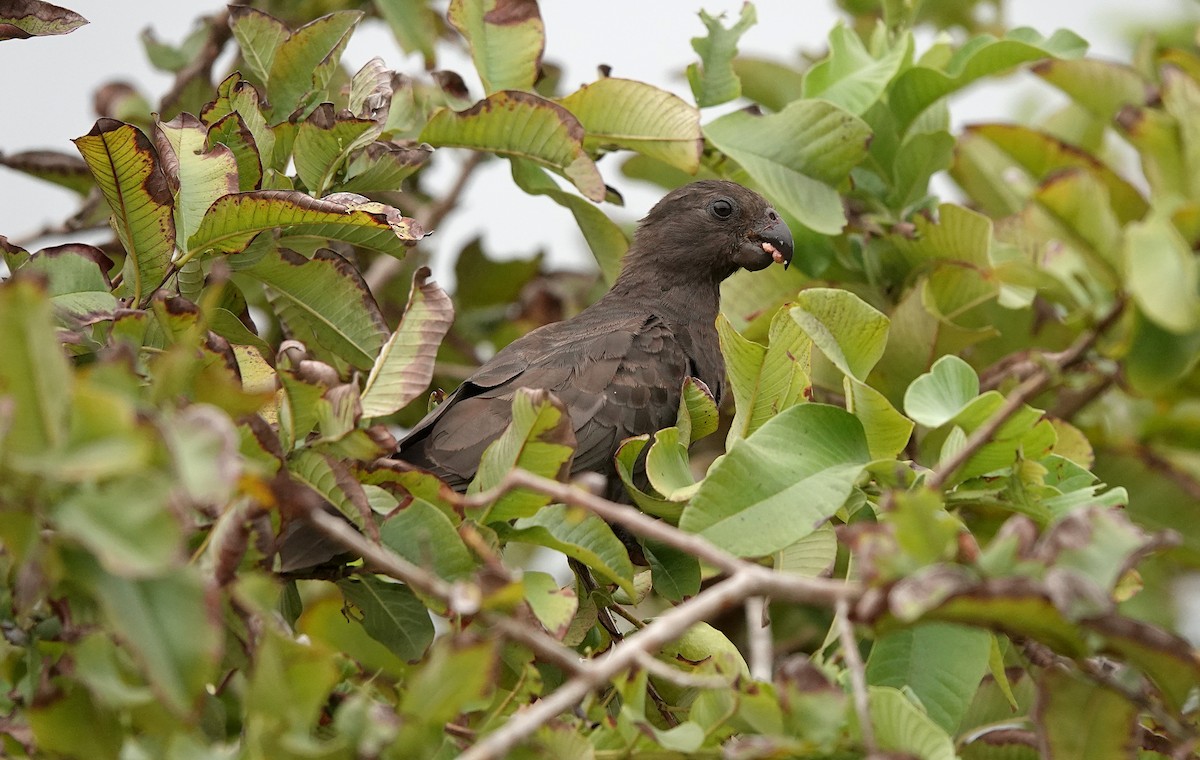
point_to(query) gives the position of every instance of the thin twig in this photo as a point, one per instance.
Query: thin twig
(385, 268)
(1034, 384)
(858, 674)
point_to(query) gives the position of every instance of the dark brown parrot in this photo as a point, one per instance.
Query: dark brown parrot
(618, 366)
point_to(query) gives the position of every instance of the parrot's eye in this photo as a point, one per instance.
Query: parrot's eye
(722, 208)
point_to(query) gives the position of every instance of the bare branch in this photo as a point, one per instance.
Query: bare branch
(758, 630)
(858, 675)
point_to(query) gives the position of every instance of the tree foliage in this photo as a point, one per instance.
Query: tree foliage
(955, 494)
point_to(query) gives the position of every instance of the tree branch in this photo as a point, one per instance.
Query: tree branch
(858, 675)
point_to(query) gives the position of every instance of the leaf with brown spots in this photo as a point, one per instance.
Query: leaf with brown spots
(128, 172)
(506, 38)
(22, 19)
(196, 175)
(60, 168)
(404, 367)
(233, 221)
(521, 125)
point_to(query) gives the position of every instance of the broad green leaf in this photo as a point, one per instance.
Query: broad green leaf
(676, 574)
(937, 396)
(668, 466)
(1161, 272)
(196, 174)
(941, 664)
(506, 39)
(987, 153)
(391, 614)
(521, 125)
(63, 169)
(768, 82)
(901, 727)
(324, 300)
(811, 556)
(850, 333)
(1025, 434)
(76, 280)
(850, 76)
(73, 723)
(458, 672)
(34, 374)
(1079, 718)
(234, 220)
(422, 534)
(304, 63)
(231, 131)
(606, 239)
(554, 607)
(236, 95)
(698, 415)
(1102, 87)
(653, 504)
(923, 85)
(1156, 137)
(713, 80)
(258, 36)
(704, 649)
(578, 535)
(332, 480)
(631, 115)
(765, 381)
(539, 439)
(887, 430)
(404, 367)
(959, 234)
(797, 156)
(124, 525)
(415, 25)
(1158, 358)
(128, 172)
(170, 623)
(34, 18)
(323, 144)
(383, 166)
(289, 683)
(776, 486)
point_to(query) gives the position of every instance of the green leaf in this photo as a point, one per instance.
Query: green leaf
(554, 607)
(422, 534)
(887, 430)
(383, 166)
(1078, 718)
(62, 169)
(231, 131)
(850, 76)
(776, 486)
(259, 36)
(170, 623)
(34, 375)
(324, 300)
(391, 614)
(1161, 272)
(323, 144)
(196, 175)
(850, 333)
(606, 239)
(768, 82)
(941, 664)
(578, 535)
(901, 727)
(234, 220)
(236, 95)
(698, 415)
(653, 504)
(521, 125)
(811, 556)
(797, 156)
(539, 439)
(713, 80)
(415, 25)
(1158, 358)
(76, 280)
(506, 39)
(404, 367)
(937, 396)
(332, 480)
(676, 574)
(128, 172)
(289, 683)
(1102, 87)
(459, 671)
(668, 467)
(921, 86)
(631, 115)
(765, 381)
(34, 18)
(304, 63)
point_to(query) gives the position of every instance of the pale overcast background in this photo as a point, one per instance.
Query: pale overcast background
(46, 86)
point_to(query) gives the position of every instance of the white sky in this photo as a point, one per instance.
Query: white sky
(46, 86)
